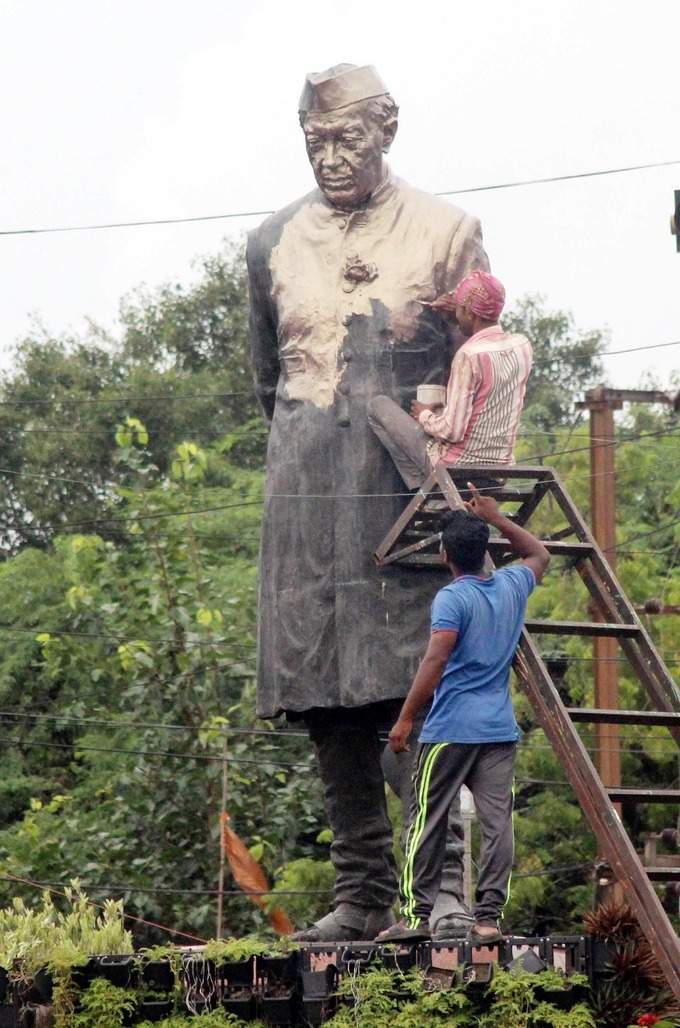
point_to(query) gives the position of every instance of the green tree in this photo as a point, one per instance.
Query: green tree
(566, 361)
(180, 366)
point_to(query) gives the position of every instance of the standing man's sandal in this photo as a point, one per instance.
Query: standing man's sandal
(490, 938)
(401, 932)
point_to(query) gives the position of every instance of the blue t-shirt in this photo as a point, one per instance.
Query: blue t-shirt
(472, 702)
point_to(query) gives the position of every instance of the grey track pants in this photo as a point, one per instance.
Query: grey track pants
(440, 770)
(349, 751)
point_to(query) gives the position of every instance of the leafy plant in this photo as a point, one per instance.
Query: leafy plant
(210, 1019)
(103, 1005)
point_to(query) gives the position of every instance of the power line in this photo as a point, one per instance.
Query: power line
(159, 890)
(128, 917)
(258, 214)
(176, 397)
(206, 757)
(126, 398)
(305, 496)
(215, 758)
(159, 725)
(13, 629)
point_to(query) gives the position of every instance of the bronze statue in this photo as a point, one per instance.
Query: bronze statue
(336, 279)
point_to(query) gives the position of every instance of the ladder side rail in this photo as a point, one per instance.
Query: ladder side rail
(623, 605)
(641, 653)
(612, 837)
(571, 512)
(606, 590)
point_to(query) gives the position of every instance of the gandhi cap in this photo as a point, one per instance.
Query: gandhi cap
(339, 86)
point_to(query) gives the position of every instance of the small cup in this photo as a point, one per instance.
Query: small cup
(432, 395)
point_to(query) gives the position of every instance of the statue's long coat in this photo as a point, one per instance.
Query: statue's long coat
(333, 323)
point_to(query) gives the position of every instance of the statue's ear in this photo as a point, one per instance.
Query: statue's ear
(389, 131)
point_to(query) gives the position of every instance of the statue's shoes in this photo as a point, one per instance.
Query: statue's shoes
(331, 928)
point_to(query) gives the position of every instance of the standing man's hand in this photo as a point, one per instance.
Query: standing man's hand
(399, 736)
(485, 507)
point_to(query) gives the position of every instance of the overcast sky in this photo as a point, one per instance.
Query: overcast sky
(133, 109)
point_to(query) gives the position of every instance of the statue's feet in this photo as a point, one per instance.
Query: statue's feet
(333, 927)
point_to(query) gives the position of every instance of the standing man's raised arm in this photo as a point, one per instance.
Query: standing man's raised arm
(263, 335)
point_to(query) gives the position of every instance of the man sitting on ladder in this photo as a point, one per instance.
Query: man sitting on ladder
(478, 422)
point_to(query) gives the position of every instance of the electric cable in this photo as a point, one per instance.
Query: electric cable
(259, 214)
(161, 515)
(171, 397)
(128, 917)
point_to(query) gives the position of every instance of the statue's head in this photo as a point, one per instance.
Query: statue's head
(349, 121)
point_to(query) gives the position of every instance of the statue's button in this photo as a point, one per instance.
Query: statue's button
(342, 222)
(347, 320)
(346, 356)
(343, 389)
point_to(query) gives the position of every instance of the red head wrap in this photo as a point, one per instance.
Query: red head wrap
(482, 293)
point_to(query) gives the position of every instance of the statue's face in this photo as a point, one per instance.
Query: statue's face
(345, 149)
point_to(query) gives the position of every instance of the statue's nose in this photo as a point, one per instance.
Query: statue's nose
(330, 153)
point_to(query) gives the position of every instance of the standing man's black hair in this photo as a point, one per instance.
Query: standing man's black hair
(464, 538)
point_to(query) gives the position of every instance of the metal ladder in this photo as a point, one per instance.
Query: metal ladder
(413, 540)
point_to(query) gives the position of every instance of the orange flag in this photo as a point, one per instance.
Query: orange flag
(249, 875)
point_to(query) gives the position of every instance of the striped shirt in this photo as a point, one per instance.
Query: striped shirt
(484, 399)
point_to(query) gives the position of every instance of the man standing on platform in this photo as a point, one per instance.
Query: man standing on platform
(340, 285)
(470, 734)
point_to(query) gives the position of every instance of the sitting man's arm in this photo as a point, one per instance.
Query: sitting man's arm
(428, 677)
(531, 550)
(451, 424)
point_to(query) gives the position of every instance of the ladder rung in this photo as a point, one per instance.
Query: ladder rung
(556, 548)
(501, 545)
(663, 874)
(624, 717)
(581, 628)
(644, 795)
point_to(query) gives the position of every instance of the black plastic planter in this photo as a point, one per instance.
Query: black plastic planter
(120, 970)
(527, 961)
(319, 1001)
(155, 1009)
(275, 971)
(42, 986)
(240, 1002)
(158, 975)
(602, 956)
(400, 958)
(279, 1007)
(236, 974)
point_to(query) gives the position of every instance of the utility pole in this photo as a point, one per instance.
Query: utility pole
(601, 402)
(675, 221)
(603, 522)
